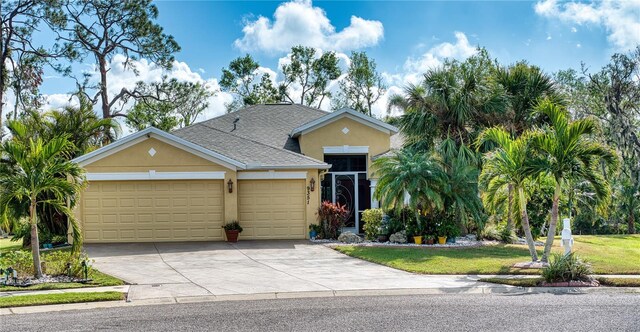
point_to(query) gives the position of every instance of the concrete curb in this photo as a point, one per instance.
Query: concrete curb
(506, 290)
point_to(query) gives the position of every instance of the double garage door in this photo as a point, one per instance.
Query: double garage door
(191, 210)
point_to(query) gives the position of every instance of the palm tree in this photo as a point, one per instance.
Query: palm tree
(460, 187)
(452, 101)
(524, 85)
(85, 129)
(40, 174)
(507, 166)
(408, 172)
(568, 151)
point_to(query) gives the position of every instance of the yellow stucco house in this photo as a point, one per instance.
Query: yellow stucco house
(267, 166)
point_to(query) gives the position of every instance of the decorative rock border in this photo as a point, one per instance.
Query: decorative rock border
(458, 244)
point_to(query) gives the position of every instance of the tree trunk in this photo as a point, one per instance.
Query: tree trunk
(510, 226)
(1, 105)
(632, 220)
(525, 225)
(35, 243)
(552, 223)
(104, 95)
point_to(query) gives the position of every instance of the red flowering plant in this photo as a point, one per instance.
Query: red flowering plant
(331, 218)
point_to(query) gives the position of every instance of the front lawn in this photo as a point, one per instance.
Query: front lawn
(42, 299)
(7, 245)
(608, 254)
(98, 278)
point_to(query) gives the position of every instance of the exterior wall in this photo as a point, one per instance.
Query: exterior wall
(167, 158)
(312, 143)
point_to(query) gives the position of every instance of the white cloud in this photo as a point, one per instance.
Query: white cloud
(300, 23)
(434, 57)
(621, 19)
(549, 37)
(574, 30)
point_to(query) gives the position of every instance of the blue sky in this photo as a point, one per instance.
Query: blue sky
(404, 37)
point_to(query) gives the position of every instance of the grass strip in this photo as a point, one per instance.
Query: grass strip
(45, 299)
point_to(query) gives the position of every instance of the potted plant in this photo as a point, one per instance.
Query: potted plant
(232, 230)
(417, 239)
(314, 230)
(429, 239)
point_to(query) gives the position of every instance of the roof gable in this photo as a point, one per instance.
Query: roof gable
(345, 112)
(164, 137)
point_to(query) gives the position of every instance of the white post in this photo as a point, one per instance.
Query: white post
(567, 239)
(374, 202)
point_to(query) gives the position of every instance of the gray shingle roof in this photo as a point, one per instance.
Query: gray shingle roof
(254, 154)
(270, 124)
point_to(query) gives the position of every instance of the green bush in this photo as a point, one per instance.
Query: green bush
(19, 260)
(491, 233)
(372, 223)
(55, 262)
(567, 268)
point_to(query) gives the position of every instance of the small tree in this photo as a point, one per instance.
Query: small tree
(41, 175)
(568, 151)
(168, 104)
(241, 79)
(362, 87)
(311, 73)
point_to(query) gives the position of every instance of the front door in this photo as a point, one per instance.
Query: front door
(346, 193)
(351, 189)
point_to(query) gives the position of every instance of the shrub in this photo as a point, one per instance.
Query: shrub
(567, 268)
(55, 262)
(506, 235)
(331, 219)
(19, 260)
(491, 232)
(372, 223)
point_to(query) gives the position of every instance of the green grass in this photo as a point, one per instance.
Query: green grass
(7, 245)
(42, 299)
(608, 254)
(520, 282)
(619, 282)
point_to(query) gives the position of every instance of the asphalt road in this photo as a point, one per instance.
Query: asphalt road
(536, 312)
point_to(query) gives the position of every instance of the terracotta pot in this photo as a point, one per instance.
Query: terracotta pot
(383, 238)
(417, 239)
(430, 240)
(442, 239)
(232, 236)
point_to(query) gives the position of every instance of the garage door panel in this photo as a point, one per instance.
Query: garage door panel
(266, 206)
(142, 211)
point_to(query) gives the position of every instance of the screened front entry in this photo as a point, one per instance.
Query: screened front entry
(346, 183)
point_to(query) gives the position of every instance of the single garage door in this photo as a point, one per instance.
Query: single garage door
(272, 209)
(153, 211)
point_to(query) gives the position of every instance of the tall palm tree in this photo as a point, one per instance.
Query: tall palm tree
(40, 174)
(410, 172)
(507, 166)
(568, 151)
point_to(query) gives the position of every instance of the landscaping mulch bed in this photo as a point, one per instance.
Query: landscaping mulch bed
(26, 282)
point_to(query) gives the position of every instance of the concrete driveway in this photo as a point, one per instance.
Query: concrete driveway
(159, 270)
